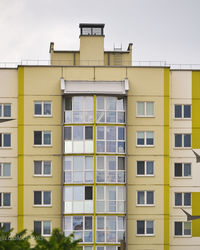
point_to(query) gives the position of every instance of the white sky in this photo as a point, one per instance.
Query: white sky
(164, 30)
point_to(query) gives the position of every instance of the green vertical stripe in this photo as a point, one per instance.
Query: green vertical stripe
(20, 148)
(166, 158)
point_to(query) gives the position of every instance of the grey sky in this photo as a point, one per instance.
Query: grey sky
(159, 29)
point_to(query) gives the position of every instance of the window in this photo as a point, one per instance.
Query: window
(5, 140)
(92, 31)
(145, 138)
(182, 169)
(5, 169)
(182, 199)
(110, 229)
(5, 110)
(145, 198)
(82, 226)
(111, 139)
(110, 199)
(145, 227)
(42, 138)
(78, 199)
(145, 109)
(78, 169)
(110, 109)
(79, 109)
(145, 168)
(182, 111)
(110, 169)
(42, 198)
(182, 228)
(42, 227)
(5, 200)
(42, 168)
(5, 225)
(78, 139)
(182, 140)
(42, 108)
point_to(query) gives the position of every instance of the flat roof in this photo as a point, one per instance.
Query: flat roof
(89, 25)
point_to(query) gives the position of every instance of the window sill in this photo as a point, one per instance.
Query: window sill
(145, 235)
(145, 146)
(182, 236)
(45, 206)
(188, 207)
(182, 119)
(182, 177)
(6, 207)
(5, 177)
(181, 148)
(42, 146)
(46, 176)
(42, 116)
(144, 175)
(145, 116)
(145, 205)
(6, 148)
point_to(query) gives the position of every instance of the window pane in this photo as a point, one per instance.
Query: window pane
(178, 199)
(47, 138)
(6, 226)
(121, 163)
(6, 199)
(100, 146)
(140, 108)
(78, 103)
(100, 176)
(37, 167)
(78, 177)
(78, 163)
(187, 228)
(100, 132)
(0, 110)
(111, 116)
(78, 193)
(178, 140)
(46, 227)
(88, 223)
(150, 138)
(87, 237)
(187, 111)
(78, 133)
(78, 223)
(100, 102)
(140, 138)
(89, 163)
(187, 140)
(37, 197)
(121, 117)
(187, 169)
(100, 162)
(111, 163)
(178, 111)
(149, 225)
(120, 104)
(111, 223)
(149, 108)
(140, 168)
(37, 137)
(110, 146)
(68, 103)
(178, 169)
(110, 133)
(67, 193)
(88, 193)
(67, 133)
(121, 147)
(89, 103)
(111, 103)
(37, 227)
(121, 133)
(100, 222)
(6, 169)
(187, 199)
(140, 227)
(140, 197)
(100, 236)
(150, 167)
(7, 140)
(150, 197)
(47, 197)
(100, 193)
(97, 32)
(178, 228)
(78, 116)
(86, 31)
(100, 116)
(47, 108)
(38, 108)
(88, 133)
(7, 110)
(47, 167)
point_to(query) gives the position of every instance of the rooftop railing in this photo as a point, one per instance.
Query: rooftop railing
(172, 66)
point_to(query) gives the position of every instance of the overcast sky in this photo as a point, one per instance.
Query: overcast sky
(164, 30)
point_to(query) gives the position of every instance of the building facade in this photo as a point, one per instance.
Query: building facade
(96, 146)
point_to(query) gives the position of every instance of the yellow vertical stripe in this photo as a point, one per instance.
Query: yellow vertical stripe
(20, 148)
(195, 109)
(166, 158)
(196, 211)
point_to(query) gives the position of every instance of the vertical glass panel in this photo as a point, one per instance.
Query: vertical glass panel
(68, 163)
(37, 227)
(149, 108)
(120, 103)
(89, 103)
(67, 133)
(149, 225)
(37, 197)
(78, 163)
(121, 133)
(110, 133)
(110, 146)
(121, 223)
(121, 147)
(47, 167)
(100, 133)
(187, 199)
(140, 138)
(100, 146)
(89, 163)
(97, 31)
(100, 116)
(68, 103)
(7, 140)
(100, 176)
(67, 223)
(187, 228)
(7, 110)
(67, 193)
(6, 169)
(150, 167)
(78, 103)
(121, 193)
(68, 116)
(100, 162)
(100, 236)
(100, 193)
(111, 116)
(140, 227)
(78, 193)
(47, 138)
(121, 163)
(149, 138)
(1, 110)
(78, 177)
(100, 222)
(38, 108)
(47, 197)
(78, 116)
(100, 103)
(111, 103)
(87, 237)
(178, 228)
(140, 108)
(38, 167)
(111, 193)
(111, 163)
(111, 223)
(187, 140)
(88, 133)
(140, 197)
(47, 108)
(150, 197)
(178, 199)
(88, 223)
(187, 111)
(89, 176)
(78, 133)
(77, 222)
(88, 193)
(178, 111)
(121, 117)
(187, 169)
(178, 169)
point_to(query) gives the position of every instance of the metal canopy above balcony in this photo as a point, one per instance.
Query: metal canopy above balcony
(95, 87)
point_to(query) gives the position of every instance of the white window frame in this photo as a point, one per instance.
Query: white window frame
(183, 228)
(42, 108)
(104, 170)
(145, 109)
(42, 227)
(182, 146)
(2, 200)
(145, 228)
(2, 140)
(42, 168)
(145, 139)
(82, 230)
(2, 110)
(183, 165)
(145, 169)
(182, 199)
(2, 224)
(145, 198)
(42, 198)
(42, 143)
(2, 166)
(182, 112)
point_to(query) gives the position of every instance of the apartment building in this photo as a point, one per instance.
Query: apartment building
(101, 148)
